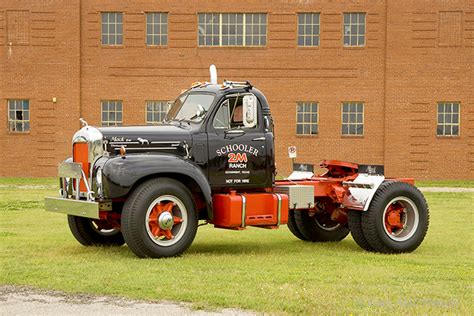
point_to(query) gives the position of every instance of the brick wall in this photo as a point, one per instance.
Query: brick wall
(43, 64)
(408, 64)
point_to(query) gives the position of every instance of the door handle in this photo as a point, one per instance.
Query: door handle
(234, 133)
(259, 138)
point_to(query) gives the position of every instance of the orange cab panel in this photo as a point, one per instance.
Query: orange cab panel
(260, 209)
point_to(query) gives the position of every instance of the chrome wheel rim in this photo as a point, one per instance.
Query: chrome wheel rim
(102, 231)
(403, 225)
(177, 230)
(327, 227)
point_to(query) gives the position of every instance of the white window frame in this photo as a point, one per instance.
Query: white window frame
(108, 122)
(349, 123)
(153, 26)
(13, 120)
(357, 35)
(162, 113)
(311, 113)
(312, 35)
(115, 35)
(444, 124)
(244, 30)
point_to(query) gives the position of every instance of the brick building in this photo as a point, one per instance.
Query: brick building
(385, 82)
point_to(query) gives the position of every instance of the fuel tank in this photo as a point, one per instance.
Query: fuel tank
(238, 210)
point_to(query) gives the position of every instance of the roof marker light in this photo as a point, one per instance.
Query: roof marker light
(213, 71)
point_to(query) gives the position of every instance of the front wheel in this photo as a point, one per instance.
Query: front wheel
(397, 219)
(91, 232)
(159, 219)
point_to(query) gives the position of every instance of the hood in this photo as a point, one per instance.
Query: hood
(165, 138)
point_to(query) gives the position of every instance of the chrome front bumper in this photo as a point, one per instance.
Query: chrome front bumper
(72, 207)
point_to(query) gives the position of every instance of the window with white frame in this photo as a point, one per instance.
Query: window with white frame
(156, 28)
(19, 116)
(308, 29)
(156, 111)
(232, 29)
(307, 118)
(353, 118)
(112, 28)
(448, 119)
(111, 113)
(354, 29)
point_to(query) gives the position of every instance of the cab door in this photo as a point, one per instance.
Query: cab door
(237, 148)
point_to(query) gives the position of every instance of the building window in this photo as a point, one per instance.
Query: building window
(112, 113)
(156, 29)
(232, 29)
(308, 29)
(19, 116)
(353, 118)
(112, 25)
(307, 118)
(156, 111)
(18, 27)
(448, 119)
(450, 28)
(354, 29)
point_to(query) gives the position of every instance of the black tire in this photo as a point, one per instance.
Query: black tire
(136, 229)
(414, 214)
(355, 227)
(88, 234)
(292, 226)
(312, 230)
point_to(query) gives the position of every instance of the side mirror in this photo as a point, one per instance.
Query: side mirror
(250, 110)
(200, 111)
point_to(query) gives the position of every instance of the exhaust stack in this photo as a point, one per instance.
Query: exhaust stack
(213, 71)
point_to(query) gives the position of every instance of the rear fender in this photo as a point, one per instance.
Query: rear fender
(121, 175)
(361, 191)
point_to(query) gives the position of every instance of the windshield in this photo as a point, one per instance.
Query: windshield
(189, 107)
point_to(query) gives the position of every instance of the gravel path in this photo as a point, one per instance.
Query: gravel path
(27, 301)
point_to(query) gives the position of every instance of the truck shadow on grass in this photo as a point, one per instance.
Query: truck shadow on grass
(271, 248)
(228, 248)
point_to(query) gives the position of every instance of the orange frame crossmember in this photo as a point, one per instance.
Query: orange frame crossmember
(236, 210)
(330, 184)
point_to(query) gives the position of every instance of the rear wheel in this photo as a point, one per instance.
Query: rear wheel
(397, 219)
(292, 226)
(319, 227)
(91, 232)
(159, 219)
(355, 226)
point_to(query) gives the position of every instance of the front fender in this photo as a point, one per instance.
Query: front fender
(122, 174)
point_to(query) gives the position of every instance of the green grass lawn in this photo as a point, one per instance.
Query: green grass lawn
(260, 270)
(446, 183)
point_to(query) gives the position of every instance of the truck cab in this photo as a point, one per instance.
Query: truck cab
(213, 159)
(233, 140)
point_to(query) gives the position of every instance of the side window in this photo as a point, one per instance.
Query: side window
(236, 112)
(230, 114)
(221, 120)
